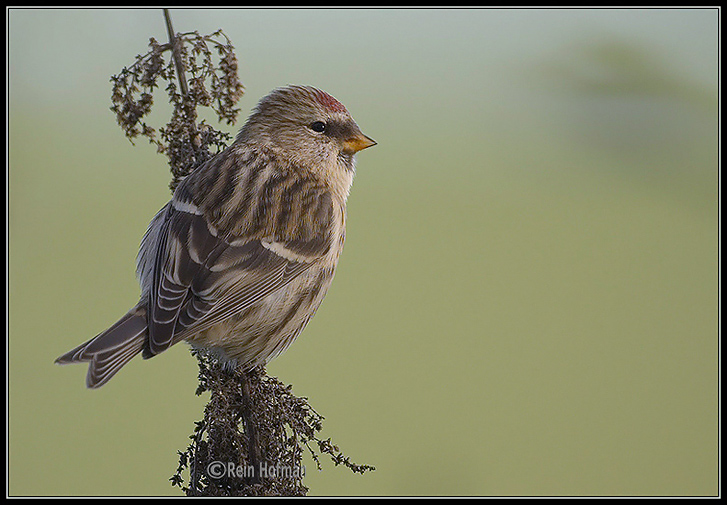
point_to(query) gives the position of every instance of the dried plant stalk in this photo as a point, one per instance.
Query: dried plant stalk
(253, 437)
(211, 66)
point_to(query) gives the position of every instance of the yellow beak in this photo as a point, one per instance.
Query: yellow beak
(358, 142)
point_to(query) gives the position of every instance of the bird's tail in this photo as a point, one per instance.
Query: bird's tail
(107, 352)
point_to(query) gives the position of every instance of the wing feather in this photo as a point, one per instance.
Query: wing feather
(200, 277)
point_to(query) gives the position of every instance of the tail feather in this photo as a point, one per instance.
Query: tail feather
(109, 351)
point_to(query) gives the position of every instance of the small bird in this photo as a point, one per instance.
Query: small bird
(241, 257)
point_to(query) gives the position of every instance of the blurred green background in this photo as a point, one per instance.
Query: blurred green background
(527, 302)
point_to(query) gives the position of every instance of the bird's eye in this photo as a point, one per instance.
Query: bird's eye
(318, 126)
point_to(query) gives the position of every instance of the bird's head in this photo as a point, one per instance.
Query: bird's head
(308, 126)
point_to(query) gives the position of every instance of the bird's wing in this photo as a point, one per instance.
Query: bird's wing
(201, 276)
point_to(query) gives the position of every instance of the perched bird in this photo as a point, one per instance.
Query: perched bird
(241, 257)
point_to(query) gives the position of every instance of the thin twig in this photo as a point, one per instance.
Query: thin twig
(253, 450)
(174, 42)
